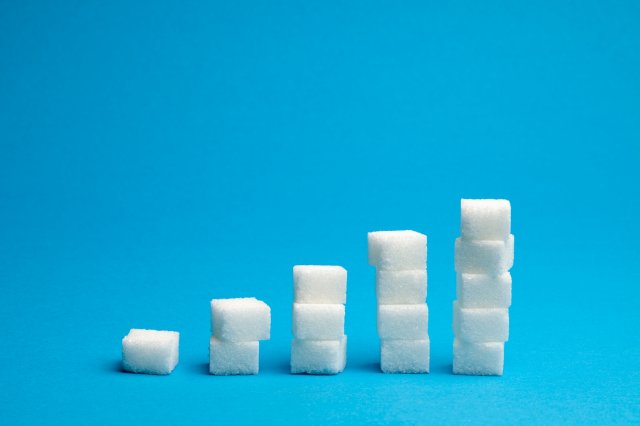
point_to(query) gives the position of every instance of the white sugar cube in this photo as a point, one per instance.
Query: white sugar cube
(240, 320)
(485, 219)
(480, 325)
(491, 257)
(150, 351)
(318, 356)
(480, 359)
(319, 284)
(401, 287)
(483, 291)
(318, 321)
(403, 321)
(404, 356)
(397, 250)
(232, 358)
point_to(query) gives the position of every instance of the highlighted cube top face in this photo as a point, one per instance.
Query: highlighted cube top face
(397, 250)
(240, 320)
(485, 219)
(319, 284)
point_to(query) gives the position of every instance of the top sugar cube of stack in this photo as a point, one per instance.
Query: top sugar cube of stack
(397, 250)
(320, 284)
(240, 320)
(485, 219)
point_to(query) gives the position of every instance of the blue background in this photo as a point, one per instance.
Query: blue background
(157, 155)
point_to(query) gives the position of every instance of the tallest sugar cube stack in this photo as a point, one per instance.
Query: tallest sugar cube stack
(400, 258)
(483, 257)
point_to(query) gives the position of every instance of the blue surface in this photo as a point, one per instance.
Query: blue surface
(155, 156)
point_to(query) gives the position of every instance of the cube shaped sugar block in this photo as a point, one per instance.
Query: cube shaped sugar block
(398, 250)
(233, 358)
(491, 257)
(480, 325)
(318, 356)
(483, 291)
(150, 351)
(319, 284)
(401, 287)
(318, 321)
(403, 321)
(478, 359)
(404, 356)
(485, 219)
(240, 320)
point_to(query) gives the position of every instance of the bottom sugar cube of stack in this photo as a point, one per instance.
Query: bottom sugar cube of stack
(230, 358)
(404, 356)
(150, 351)
(486, 358)
(318, 356)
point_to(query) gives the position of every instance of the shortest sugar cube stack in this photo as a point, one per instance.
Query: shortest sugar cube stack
(150, 351)
(237, 326)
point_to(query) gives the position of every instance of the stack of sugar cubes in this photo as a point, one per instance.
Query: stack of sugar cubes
(400, 258)
(237, 326)
(319, 345)
(483, 257)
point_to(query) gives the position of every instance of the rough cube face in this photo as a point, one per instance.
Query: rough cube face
(478, 359)
(397, 250)
(240, 320)
(404, 356)
(319, 284)
(409, 322)
(480, 325)
(401, 287)
(150, 351)
(492, 257)
(232, 358)
(318, 356)
(318, 321)
(484, 291)
(485, 219)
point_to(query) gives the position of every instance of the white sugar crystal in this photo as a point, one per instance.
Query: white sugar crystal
(401, 287)
(491, 257)
(231, 358)
(482, 359)
(318, 321)
(150, 351)
(404, 356)
(484, 291)
(485, 219)
(397, 250)
(480, 325)
(319, 284)
(240, 320)
(403, 321)
(318, 356)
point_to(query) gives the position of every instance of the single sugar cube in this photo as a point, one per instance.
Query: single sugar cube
(319, 284)
(483, 291)
(240, 320)
(403, 321)
(480, 325)
(492, 257)
(401, 287)
(150, 351)
(318, 356)
(233, 358)
(478, 359)
(318, 321)
(404, 356)
(485, 219)
(397, 250)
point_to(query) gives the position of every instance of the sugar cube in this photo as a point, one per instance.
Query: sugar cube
(150, 351)
(404, 356)
(484, 291)
(403, 321)
(318, 356)
(242, 319)
(485, 219)
(319, 284)
(482, 359)
(491, 257)
(397, 250)
(480, 325)
(318, 321)
(401, 287)
(232, 358)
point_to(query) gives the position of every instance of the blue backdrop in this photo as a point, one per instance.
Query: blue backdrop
(157, 155)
